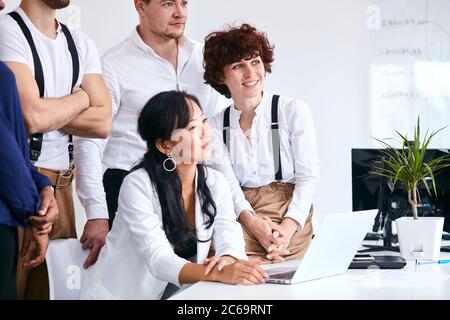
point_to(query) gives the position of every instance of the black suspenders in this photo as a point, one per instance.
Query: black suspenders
(75, 74)
(276, 139)
(36, 139)
(226, 127)
(275, 136)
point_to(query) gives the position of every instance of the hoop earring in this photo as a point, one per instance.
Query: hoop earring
(174, 163)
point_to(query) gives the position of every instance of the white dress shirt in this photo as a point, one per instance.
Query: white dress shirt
(138, 261)
(252, 163)
(57, 66)
(134, 73)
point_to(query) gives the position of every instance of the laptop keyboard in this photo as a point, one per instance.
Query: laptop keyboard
(283, 276)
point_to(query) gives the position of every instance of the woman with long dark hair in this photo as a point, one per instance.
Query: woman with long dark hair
(170, 209)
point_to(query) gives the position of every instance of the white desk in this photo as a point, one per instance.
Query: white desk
(425, 282)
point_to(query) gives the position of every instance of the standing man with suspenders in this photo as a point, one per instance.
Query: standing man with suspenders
(156, 57)
(62, 94)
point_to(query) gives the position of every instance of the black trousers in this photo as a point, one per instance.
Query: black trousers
(112, 181)
(9, 250)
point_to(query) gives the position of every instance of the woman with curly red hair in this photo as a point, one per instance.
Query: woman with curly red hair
(272, 163)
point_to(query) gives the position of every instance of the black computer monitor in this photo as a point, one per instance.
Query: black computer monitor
(371, 191)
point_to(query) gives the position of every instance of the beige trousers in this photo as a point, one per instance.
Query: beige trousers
(272, 201)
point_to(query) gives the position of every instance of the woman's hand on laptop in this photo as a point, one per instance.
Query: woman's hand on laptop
(220, 262)
(240, 272)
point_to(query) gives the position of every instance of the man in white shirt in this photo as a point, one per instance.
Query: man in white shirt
(156, 57)
(57, 101)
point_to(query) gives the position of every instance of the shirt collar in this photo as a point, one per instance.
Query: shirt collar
(185, 43)
(259, 109)
(262, 104)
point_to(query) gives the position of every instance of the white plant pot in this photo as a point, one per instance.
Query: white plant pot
(421, 238)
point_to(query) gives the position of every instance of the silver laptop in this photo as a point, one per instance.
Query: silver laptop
(332, 249)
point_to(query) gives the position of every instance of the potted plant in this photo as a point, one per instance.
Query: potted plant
(419, 238)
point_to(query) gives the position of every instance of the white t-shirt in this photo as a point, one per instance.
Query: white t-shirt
(57, 66)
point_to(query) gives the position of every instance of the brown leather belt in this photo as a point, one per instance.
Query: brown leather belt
(59, 178)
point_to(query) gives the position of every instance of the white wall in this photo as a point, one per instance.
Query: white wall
(321, 57)
(321, 52)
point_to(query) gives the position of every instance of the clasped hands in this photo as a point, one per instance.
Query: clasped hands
(39, 227)
(274, 238)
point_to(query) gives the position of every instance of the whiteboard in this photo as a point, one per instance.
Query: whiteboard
(409, 67)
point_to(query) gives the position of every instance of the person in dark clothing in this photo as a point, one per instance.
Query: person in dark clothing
(26, 196)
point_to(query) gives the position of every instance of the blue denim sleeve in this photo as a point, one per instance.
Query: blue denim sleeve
(18, 189)
(20, 182)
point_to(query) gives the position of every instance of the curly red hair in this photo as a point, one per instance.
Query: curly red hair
(232, 45)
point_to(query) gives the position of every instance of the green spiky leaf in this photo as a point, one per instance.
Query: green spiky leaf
(406, 165)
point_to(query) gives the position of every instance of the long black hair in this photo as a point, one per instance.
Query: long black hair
(164, 113)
